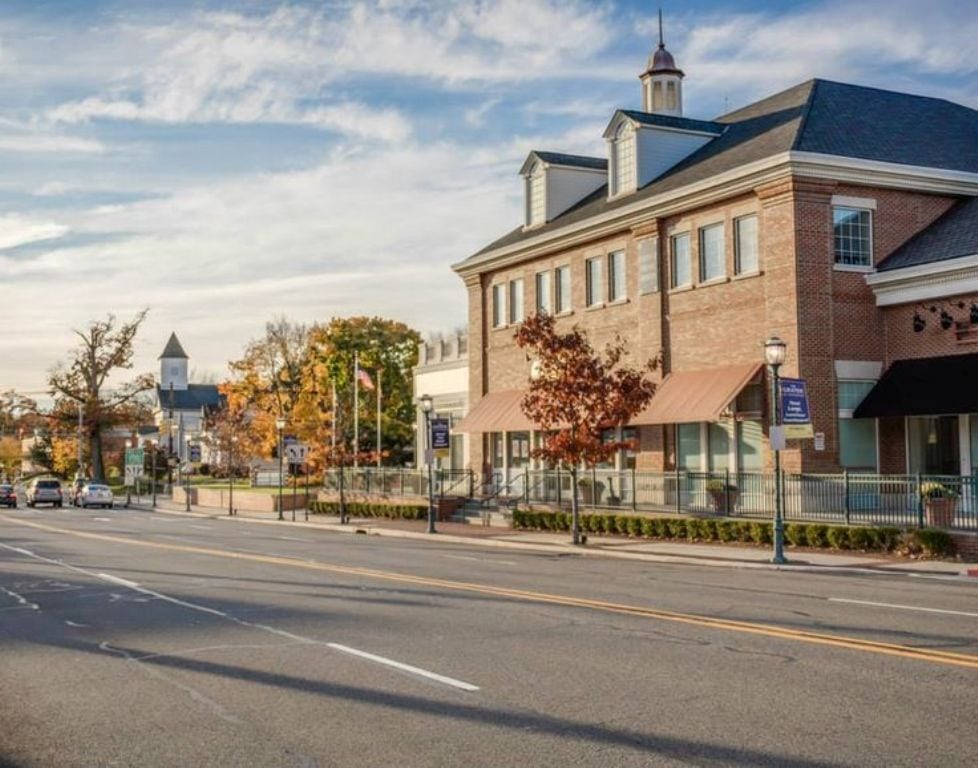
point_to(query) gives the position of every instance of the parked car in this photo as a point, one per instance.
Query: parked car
(44, 492)
(95, 495)
(8, 496)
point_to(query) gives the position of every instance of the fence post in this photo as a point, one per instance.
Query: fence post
(920, 502)
(558, 486)
(726, 492)
(471, 483)
(634, 492)
(679, 502)
(845, 490)
(441, 483)
(526, 486)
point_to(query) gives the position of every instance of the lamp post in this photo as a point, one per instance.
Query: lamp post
(130, 443)
(232, 439)
(426, 407)
(152, 445)
(774, 354)
(279, 426)
(186, 477)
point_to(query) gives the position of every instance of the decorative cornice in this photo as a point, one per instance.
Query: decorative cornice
(938, 280)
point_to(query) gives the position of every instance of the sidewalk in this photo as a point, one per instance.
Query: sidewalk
(722, 555)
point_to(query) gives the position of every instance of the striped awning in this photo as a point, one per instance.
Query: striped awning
(497, 412)
(690, 396)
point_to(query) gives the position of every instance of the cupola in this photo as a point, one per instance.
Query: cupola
(662, 82)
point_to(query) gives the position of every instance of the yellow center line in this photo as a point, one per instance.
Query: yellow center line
(711, 622)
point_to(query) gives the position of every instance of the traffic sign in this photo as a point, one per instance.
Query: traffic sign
(133, 473)
(134, 457)
(296, 452)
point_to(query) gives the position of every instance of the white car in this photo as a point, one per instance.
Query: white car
(95, 495)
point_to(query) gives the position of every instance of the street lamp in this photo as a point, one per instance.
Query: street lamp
(774, 354)
(186, 475)
(279, 426)
(153, 446)
(232, 439)
(426, 407)
(130, 443)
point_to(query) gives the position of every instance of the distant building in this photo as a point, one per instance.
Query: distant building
(180, 406)
(443, 373)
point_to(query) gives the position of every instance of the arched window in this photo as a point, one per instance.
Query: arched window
(624, 159)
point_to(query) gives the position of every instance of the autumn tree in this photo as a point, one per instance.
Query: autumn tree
(575, 394)
(11, 456)
(105, 347)
(387, 351)
(231, 429)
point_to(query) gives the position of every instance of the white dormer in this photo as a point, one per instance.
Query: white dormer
(555, 182)
(642, 146)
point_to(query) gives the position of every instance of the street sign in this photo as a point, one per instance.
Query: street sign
(795, 414)
(134, 457)
(296, 452)
(440, 435)
(194, 452)
(133, 473)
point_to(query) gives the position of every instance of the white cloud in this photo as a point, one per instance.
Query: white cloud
(45, 142)
(16, 230)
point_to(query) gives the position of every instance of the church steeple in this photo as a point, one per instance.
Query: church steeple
(173, 365)
(662, 81)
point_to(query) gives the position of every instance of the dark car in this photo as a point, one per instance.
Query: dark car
(8, 496)
(44, 492)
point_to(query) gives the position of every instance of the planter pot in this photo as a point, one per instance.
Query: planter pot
(940, 512)
(722, 499)
(591, 493)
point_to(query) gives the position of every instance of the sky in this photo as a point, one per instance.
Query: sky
(227, 162)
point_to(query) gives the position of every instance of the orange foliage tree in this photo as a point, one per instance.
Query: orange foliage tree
(575, 394)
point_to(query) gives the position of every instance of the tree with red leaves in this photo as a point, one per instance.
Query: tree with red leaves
(576, 393)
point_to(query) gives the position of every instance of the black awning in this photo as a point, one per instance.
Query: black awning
(928, 386)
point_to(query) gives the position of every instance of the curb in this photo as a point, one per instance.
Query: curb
(582, 551)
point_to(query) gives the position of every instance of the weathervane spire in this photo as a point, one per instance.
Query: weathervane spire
(661, 41)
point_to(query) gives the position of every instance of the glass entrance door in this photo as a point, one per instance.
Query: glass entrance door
(933, 444)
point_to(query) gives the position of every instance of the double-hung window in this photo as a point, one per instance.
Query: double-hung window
(680, 268)
(544, 305)
(745, 245)
(648, 265)
(562, 286)
(616, 276)
(516, 301)
(712, 254)
(595, 295)
(852, 229)
(499, 305)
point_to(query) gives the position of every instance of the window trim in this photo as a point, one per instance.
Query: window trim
(594, 294)
(738, 269)
(612, 273)
(701, 233)
(499, 317)
(547, 280)
(517, 309)
(559, 297)
(673, 284)
(653, 256)
(847, 267)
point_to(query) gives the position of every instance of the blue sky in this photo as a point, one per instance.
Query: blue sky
(227, 162)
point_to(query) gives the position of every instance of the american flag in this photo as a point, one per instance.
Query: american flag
(364, 378)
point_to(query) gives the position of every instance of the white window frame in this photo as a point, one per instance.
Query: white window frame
(848, 265)
(701, 242)
(617, 276)
(673, 261)
(536, 196)
(648, 251)
(845, 414)
(594, 294)
(738, 261)
(516, 301)
(544, 280)
(563, 300)
(499, 305)
(624, 159)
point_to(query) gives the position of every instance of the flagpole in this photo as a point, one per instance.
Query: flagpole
(356, 407)
(380, 387)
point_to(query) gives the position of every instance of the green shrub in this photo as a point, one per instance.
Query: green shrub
(796, 534)
(888, 537)
(817, 535)
(677, 528)
(860, 538)
(727, 530)
(935, 542)
(650, 528)
(838, 537)
(635, 526)
(622, 524)
(760, 533)
(710, 530)
(744, 531)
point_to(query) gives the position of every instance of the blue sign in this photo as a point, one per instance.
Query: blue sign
(794, 402)
(195, 452)
(440, 435)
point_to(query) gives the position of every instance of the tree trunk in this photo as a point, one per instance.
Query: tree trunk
(575, 512)
(95, 448)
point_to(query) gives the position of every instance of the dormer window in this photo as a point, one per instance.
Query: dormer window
(536, 196)
(623, 160)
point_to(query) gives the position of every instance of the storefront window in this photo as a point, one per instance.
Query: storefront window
(689, 452)
(857, 444)
(750, 442)
(497, 450)
(519, 450)
(933, 443)
(719, 436)
(629, 435)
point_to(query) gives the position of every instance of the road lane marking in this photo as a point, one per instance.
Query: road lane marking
(902, 607)
(490, 560)
(969, 661)
(404, 667)
(22, 602)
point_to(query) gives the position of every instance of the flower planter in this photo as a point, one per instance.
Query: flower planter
(940, 512)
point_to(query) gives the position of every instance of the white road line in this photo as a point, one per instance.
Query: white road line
(902, 607)
(490, 560)
(404, 667)
(201, 527)
(102, 519)
(22, 602)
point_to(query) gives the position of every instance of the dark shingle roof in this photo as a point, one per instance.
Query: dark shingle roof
(193, 398)
(816, 116)
(173, 348)
(669, 121)
(954, 234)
(577, 161)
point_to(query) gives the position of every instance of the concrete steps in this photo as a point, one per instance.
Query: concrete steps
(473, 513)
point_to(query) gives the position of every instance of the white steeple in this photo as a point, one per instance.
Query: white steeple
(662, 82)
(173, 365)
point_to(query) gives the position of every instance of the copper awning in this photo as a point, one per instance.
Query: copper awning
(689, 396)
(497, 412)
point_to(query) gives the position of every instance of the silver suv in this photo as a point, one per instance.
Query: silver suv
(44, 492)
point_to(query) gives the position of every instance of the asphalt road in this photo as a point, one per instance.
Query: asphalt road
(131, 638)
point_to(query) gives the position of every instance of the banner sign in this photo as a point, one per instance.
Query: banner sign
(195, 452)
(795, 414)
(440, 435)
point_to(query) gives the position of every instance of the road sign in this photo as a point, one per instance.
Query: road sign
(133, 473)
(795, 415)
(134, 457)
(296, 452)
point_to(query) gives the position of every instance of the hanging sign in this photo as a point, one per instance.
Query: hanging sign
(440, 435)
(795, 414)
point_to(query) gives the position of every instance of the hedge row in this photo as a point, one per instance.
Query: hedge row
(927, 541)
(364, 509)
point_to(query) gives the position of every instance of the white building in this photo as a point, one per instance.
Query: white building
(443, 373)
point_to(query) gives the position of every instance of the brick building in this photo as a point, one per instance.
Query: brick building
(835, 216)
